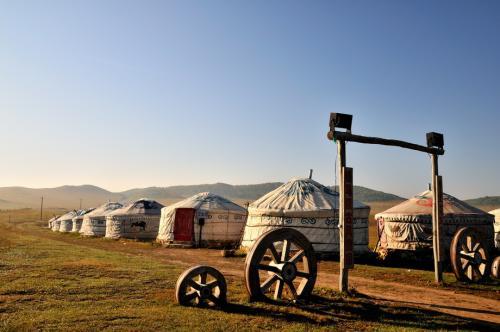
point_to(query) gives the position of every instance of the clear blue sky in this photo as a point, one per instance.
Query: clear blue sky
(125, 94)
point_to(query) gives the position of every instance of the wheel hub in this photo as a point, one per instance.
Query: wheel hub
(477, 258)
(205, 292)
(289, 271)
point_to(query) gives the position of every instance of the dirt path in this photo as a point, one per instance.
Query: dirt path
(447, 301)
(396, 293)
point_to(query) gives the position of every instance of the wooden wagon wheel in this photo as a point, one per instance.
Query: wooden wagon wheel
(202, 286)
(469, 257)
(282, 258)
(495, 267)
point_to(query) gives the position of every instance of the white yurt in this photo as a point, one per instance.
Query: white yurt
(66, 221)
(204, 219)
(94, 222)
(309, 207)
(496, 213)
(78, 220)
(408, 225)
(137, 220)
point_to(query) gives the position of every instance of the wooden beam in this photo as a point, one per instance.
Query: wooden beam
(348, 137)
(437, 211)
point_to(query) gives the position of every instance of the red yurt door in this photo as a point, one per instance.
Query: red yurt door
(183, 226)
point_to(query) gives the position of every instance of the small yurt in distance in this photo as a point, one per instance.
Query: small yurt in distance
(496, 213)
(137, 220)
(94, 222)
(408, 225)
(51, 221)
(312, 209)
(66, 221)
(77, 221)
(204, 219)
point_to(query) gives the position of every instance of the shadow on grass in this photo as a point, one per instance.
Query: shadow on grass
(324, 311)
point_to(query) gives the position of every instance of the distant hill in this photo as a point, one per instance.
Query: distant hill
(364, 194)
(485, 201)
(59, 197)
(69, 196)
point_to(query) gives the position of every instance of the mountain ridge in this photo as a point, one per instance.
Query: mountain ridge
(68, 196)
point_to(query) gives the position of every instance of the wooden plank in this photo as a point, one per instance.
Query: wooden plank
(347, 231)
(439, 220)
(345, 136)
(343, 272)
(438, 274)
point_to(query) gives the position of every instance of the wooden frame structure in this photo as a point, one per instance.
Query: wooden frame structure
(434, 148)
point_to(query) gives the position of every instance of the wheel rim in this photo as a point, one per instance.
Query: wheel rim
(201, 286)
(469, 256)
(281, 266)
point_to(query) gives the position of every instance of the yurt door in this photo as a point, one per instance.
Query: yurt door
(184, 222)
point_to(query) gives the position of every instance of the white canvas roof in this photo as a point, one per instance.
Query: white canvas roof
(420, 206)
(141, 206)
(68, 216)
(206, 201)
(104, 209)
(299, 197)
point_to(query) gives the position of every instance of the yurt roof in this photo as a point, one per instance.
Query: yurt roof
(421, 204)
(141, 206)
(208, 201)
(83, 212)
(69, 215)
(105, 209)
(299, 196)
(495, 212)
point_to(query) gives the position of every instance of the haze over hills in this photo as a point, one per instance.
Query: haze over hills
(69, 196)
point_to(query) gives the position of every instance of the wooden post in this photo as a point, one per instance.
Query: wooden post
(344, 272)
(41, 209)
(436, 201)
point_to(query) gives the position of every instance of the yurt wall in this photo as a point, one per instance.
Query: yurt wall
(78, 220)
(408, 225)
(222, 222)
(138, 220)
(94, 223)
(66, 222)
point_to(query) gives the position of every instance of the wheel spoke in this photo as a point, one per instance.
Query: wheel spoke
(269, 268)
(466, 265)
(203, 277)
(213, 299)
(469, 243)
(291, 286)
(191, 296)
(476, 246)
(297, 256)
(193, 284)
(285, 251)
(278, 290)
(268, 283)
(478, 272)
(212, 284)
(470, 274)
(304, 275)
(276, 256)
(465, 256)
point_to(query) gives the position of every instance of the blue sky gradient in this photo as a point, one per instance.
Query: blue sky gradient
(126, 94)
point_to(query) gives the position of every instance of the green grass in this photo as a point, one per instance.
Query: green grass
(53, 281)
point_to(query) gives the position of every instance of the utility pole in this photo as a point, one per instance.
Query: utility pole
(80, 203)
(41, 209)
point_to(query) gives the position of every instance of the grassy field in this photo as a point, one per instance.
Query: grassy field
(53, 281)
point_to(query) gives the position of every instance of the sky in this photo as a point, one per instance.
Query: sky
(124, 94)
